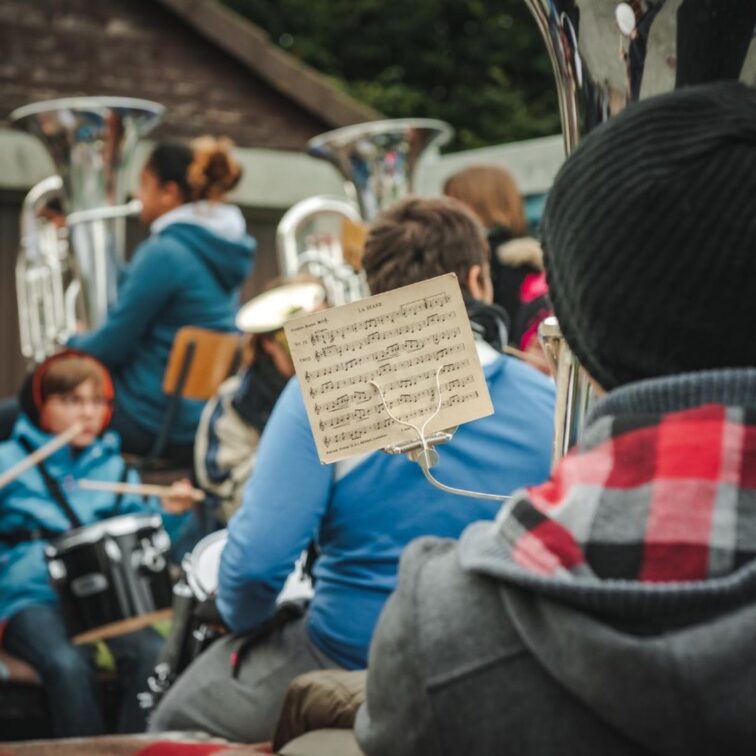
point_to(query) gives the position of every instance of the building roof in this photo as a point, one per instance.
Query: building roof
(250, 45)
(214, 71)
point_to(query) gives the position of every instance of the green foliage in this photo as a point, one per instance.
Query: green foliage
(478, 64)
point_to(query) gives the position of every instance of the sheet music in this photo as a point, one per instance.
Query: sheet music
(398, 339)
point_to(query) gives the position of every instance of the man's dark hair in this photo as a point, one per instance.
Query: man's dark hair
(420, 238)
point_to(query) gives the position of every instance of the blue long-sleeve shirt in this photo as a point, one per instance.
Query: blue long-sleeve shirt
(364, 511)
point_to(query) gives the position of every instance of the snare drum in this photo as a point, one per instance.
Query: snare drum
(111, 577)
(202, 567)
(190, 635)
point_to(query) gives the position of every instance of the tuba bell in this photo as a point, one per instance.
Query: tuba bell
(68, 272)
(606, 55)
(378, 161)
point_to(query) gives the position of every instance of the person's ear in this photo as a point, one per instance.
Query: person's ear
(171, 194)
(479, 283)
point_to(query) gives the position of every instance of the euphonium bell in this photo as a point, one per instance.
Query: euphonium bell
(91, 141)
(606, 55)
(378, 161)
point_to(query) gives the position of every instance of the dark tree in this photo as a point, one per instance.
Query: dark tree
(479, 64)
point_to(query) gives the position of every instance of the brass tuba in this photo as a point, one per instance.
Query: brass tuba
(69, 273)
(378, 161)
(608, 54)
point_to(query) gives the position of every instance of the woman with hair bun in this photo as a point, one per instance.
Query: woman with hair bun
(188, 272)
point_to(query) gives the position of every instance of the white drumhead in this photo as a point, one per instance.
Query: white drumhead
(204, 564)
(113, 526)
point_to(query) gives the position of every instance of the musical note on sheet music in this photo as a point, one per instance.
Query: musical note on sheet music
(399, 339)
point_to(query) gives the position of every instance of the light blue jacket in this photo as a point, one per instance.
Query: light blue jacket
(365, 510)
(26, 504)
(189, 272)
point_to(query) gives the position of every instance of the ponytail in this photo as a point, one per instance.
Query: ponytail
(214, 171)
(205, 170)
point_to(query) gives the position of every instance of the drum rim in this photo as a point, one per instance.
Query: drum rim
(113, 526)
(191, 563)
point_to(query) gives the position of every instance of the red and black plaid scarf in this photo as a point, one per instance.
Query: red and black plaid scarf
(650, 498)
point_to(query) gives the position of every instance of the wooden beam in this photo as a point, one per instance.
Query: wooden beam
(251, 46)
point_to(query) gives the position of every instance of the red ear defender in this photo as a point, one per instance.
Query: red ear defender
(108, 389)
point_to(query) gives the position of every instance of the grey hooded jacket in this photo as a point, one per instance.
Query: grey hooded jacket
(467, 661)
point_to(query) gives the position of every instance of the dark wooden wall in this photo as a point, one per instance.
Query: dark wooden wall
(261, 223)
(136, 48)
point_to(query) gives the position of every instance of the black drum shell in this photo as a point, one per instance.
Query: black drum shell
(100, 575)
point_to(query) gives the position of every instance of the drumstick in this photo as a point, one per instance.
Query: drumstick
(38, 455)
(145, 489)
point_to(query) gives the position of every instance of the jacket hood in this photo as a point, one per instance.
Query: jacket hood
(217, 234)
(669, 666)
(667, 661)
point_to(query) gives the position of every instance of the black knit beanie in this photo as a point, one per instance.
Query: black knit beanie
(649, 236)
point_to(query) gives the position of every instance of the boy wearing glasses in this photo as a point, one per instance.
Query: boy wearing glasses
(67, 388)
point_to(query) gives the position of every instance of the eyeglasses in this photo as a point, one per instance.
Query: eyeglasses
(73, 401)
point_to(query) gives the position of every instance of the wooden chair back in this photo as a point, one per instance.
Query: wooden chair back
(200, 361)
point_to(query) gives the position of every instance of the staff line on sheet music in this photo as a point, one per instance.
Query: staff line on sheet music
(408, 345)
(417, 326)
(328, 335)
(359, 433)
(383, 369)
(359, 414)
(362, 396)
(383, 355)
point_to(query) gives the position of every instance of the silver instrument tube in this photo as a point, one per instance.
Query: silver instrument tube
(606, 55)
(378, 161)
(91, 141)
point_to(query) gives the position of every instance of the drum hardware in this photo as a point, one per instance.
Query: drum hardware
(88, 585)
(112, 550)
(187, 638)
(196, 624)
(148, 558)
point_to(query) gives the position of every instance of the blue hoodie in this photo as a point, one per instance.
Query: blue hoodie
(26, 504)
(189, 272)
